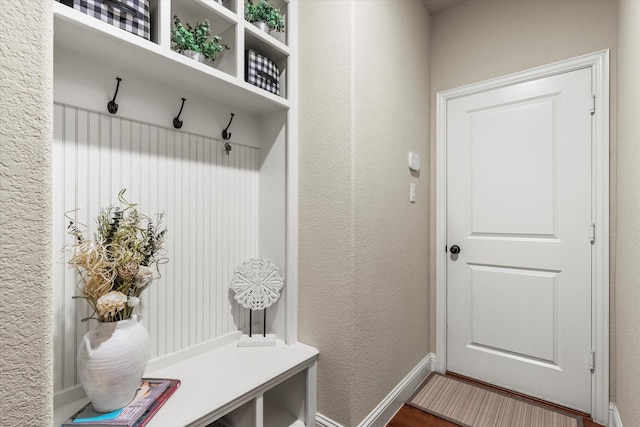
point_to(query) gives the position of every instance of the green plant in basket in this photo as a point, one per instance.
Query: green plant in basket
(263, 11)
(197, 39)
(119, 263)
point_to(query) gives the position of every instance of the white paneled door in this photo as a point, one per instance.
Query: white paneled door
(519, 214)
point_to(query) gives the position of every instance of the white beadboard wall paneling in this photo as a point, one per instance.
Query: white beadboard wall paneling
(211, 205)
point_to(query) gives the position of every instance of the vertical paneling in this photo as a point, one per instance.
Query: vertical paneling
(82, 198)
(210, 202)
(70, 163)
(58, 265)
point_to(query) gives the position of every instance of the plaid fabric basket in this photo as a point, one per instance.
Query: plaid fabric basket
(262, 72)
(130, 15)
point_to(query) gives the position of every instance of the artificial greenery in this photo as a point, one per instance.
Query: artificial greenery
(210, 50)
(185, 37)
(119, 263)
(262, 10)
(182, 36)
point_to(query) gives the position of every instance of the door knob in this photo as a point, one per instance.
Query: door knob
(455, 249)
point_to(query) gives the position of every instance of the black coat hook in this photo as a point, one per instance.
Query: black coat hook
(227, 135)
(177, 123)
(112, 106)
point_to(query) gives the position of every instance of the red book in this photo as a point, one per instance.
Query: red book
(155, 407)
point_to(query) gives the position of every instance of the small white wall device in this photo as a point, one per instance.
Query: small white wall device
(414, 161)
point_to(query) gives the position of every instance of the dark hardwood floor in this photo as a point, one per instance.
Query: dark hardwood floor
(409, 416)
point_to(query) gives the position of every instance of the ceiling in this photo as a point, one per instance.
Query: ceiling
(436, 6)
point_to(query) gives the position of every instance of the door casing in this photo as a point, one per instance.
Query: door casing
(598, 62)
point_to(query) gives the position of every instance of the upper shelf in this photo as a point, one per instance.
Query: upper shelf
(104, 43)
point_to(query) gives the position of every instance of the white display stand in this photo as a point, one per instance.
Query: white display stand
(257, 340)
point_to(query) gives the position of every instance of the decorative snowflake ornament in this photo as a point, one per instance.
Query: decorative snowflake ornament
(257, 284)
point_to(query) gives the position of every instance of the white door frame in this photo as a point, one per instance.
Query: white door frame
(599, 64)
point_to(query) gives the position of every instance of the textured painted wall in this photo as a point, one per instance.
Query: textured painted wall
(364, 90)
(325, 211)
(628, 240)
(391, 105)
(26, 322)
(479, 40)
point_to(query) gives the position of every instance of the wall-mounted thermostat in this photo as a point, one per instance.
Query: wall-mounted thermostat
(414, 161)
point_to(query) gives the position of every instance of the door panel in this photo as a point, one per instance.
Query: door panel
(519, 206)
(527, 299)
(527, 145)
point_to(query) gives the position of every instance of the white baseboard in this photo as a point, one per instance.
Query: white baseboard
(322, 421)
(382, 414)
(614, 416)
(391, 404)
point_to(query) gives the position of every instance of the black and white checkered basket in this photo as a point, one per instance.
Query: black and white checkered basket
(130, 15)
(262, 72)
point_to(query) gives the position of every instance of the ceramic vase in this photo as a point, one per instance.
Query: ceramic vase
(112, 358)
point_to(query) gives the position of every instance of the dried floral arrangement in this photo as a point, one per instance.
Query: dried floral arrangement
(119, 263)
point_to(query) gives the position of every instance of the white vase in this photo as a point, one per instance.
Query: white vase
(112, 358)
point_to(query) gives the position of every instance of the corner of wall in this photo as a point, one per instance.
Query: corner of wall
(627, 264)
(362, 246)
(26, 318)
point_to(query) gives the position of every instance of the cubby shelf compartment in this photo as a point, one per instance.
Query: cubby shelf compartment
(103, 43)
(191, 10)
(276, 51)
(276, 38)
(223, 24)
(219, 9)
(275, 417)
(256, 38)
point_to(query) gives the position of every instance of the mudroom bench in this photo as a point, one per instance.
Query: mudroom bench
(225, 385)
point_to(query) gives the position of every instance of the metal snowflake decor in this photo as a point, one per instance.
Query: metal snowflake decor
(257, 284)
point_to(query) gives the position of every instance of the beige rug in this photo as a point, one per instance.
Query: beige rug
(471, 405)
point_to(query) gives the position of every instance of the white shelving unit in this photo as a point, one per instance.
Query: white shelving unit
(246, 387)
(104, 43)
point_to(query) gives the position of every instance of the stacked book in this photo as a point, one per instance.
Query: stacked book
(151, 395)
